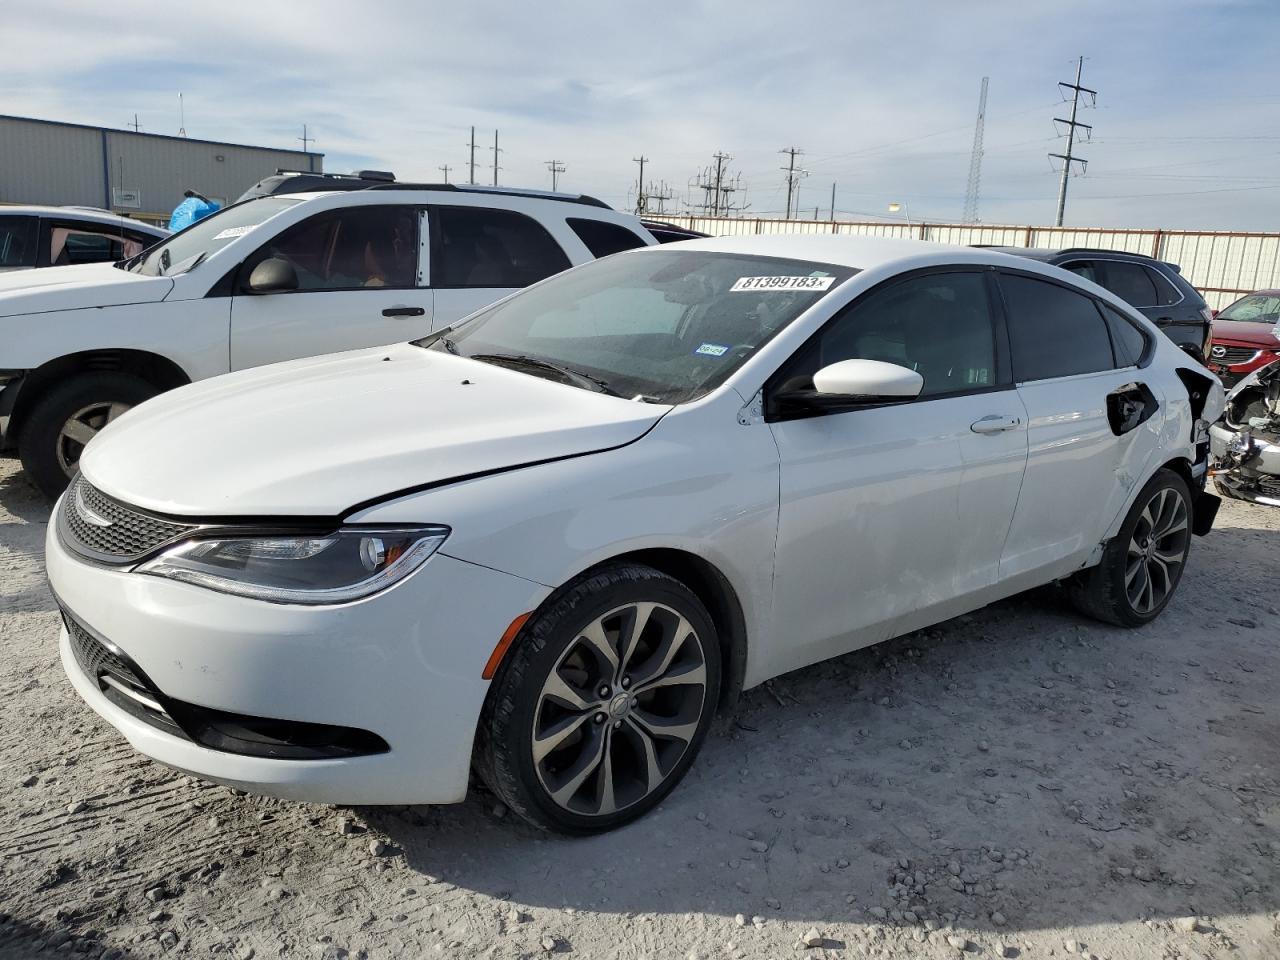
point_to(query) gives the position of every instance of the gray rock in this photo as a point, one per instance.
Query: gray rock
(812, 938)
(740, 919)
(1072, 946)
(998, 919)
(77, 806)
(168, 940)
(879, 913)
(377, 847)
(759, 846)
(957, 942)
(1189, 924)
(157, 893)
(549, 944)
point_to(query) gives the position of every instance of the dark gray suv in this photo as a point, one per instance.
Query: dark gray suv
(1156, 288)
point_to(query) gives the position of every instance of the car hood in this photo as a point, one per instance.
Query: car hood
(74, 288)
(316, 437)
(1247, 333)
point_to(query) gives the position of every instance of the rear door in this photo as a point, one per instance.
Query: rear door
(482, 254)
(359, 285)
(1082, 466)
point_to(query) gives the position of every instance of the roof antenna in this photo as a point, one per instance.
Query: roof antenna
(182, 117)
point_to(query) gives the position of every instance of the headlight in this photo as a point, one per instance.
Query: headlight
(333, 568)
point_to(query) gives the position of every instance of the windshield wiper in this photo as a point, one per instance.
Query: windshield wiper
(575, 377)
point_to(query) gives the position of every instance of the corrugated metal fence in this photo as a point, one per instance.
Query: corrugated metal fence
(1221, 265)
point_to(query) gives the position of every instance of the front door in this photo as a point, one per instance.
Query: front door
(358, 286)
(1082, 466)
(895, 516)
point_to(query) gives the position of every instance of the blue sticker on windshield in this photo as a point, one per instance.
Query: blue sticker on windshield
(712, 350)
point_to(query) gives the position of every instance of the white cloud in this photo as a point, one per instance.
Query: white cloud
(881, 96)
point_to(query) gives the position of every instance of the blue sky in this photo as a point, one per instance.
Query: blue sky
(881, 96)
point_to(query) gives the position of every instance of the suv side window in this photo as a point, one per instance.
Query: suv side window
(350, 249)
(482, 247)
(603, 238)
(1131, 282)
(1054, 332)
(1166, 292)
(1129, 342)
(18, 241)
(938, 324)
(72, 243)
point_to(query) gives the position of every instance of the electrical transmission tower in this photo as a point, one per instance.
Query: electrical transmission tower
(496, 151)
(556, 168)
(1069, 158)
(975, 160)
(446, 168)
(471, 178)
(793, 176)
(718, 187)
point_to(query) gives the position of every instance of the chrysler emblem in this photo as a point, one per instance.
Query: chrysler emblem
(90, 515)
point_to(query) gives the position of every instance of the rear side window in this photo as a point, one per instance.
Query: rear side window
(1129, 342)
(72, 246)
(18, 241)
(480, 247)
(1054, 331)
(1166, 292)
(603, 238)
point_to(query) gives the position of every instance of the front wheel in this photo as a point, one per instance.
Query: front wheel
(600, 707)
(1142, 565)
(67, 418)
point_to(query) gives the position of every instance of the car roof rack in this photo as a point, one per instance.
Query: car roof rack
(501, 191)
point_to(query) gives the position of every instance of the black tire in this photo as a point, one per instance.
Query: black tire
(40, 436)
(1104, 592)
(513, 711)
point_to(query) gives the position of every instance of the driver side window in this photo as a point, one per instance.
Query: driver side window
(939, 325)
(351, 249)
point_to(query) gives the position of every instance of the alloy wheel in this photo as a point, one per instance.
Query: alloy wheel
(619, 709)
(81, 427)
(1157, 548)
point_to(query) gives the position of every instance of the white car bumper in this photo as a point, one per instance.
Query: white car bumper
(404, 665)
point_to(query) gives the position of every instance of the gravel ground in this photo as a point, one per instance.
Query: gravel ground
(1019, 782)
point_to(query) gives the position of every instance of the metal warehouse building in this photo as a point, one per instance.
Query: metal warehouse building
(142, 175)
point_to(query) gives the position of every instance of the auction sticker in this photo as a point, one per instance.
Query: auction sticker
(781, 283)
(712, 350)
(230, 232)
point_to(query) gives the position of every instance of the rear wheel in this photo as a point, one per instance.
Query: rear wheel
(68, 417)
(602, 704)
(1142, 565)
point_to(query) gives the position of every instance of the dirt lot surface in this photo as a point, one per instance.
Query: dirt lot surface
(1020, 782)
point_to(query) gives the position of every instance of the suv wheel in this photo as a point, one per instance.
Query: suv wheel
(68, 417)
(600, 707)
(1142, 565)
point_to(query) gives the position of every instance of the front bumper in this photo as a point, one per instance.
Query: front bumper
(1253, 474)
(404, 665)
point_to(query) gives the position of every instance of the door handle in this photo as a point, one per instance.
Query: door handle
(403, 312)
(995, 423)
(1163, 321)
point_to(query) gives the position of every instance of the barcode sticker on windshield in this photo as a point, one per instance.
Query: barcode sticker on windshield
(781, 283)
(230, 232)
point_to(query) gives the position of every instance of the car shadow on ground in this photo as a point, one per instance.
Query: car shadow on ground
(1018, 768)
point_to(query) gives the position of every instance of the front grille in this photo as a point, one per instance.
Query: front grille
(1232, 355)
(104, 529)
(117, 677)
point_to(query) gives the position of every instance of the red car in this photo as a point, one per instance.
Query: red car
(1244, 336)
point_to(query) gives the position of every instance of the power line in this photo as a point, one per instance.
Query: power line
(556, 168)
(1069, 158)
(975, 161)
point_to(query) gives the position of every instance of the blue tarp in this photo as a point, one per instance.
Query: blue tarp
(190, 210)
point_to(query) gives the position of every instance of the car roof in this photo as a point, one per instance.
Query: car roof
(290, 183)
(1049, 254)
(861, 252)
(86, 214)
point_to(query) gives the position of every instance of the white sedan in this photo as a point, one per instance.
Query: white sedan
(550, 542)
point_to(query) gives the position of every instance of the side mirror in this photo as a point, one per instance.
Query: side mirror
(867, 380)
(273, 276)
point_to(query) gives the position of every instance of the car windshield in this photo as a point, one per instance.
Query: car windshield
(1255, 308)
(663, 326)
(188, 248)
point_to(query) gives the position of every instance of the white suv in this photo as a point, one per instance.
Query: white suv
(359, 263)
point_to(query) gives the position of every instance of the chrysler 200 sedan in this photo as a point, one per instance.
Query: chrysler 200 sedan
(549, 542)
